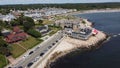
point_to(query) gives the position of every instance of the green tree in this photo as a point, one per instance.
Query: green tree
(40, 22)
(14, 22)
(4, 47)
(28, 23)
(3, 61)
(0, 31)
(34, 33)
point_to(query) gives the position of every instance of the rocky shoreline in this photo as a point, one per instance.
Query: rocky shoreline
(69, 45)
(58, 55)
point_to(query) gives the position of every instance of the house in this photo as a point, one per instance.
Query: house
(82, 33)
(43, 29)
(74, 28)
(5, 32)
(16, 35)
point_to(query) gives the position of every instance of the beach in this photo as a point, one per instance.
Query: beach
(95, 11)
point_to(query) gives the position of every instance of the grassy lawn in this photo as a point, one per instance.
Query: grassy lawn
(2, 61)
(64, 17)
(45, 22)
(54, 30)
(30, 42)
(17, 50)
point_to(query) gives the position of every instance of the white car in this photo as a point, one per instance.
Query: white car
(25, 56)
(36, 59)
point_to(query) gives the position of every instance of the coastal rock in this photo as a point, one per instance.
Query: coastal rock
(70, 44)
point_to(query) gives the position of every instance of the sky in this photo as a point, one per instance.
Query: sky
(4, 2)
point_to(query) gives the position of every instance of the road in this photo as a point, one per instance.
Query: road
(36, 53)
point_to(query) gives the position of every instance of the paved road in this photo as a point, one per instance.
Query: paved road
(40, 50)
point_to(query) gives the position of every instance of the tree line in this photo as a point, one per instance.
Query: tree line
(79, 6)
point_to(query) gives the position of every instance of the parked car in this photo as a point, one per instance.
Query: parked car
(37, 48)
(56, 40)
(36, 59)
(31, 52)
(41, 54)
(20, 67)
(25, 56)
(49, 47)
(30, 64)
(53, 43)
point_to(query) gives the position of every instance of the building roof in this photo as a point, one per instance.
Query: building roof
(16, 35)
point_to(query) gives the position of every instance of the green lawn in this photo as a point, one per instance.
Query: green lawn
(17, 50)
(54, 30)
(2, 61)
(64, 17)
(30, 42)
(45, 22)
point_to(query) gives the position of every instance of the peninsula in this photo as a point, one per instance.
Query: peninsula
(69, 44)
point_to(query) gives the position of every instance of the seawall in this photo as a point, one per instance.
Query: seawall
(68, 45)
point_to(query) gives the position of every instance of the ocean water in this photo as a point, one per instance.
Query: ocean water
(107, 56)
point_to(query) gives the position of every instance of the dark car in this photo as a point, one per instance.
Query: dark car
(41, 54)
(20, 67)
(61, 36)
(30, 52)
(56, 40)
(53, 43)
(30, 64)
(49, 47)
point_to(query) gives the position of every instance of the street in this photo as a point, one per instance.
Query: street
(32, 58)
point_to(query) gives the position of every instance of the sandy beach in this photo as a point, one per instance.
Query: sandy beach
(96, 11)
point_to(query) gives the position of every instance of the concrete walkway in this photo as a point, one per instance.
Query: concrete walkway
(22, 46)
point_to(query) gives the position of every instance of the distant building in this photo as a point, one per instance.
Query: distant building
(16, 14)
(5, 32)
(43, 29)
(7, 17)
(74, 28)
(44, 13)
(82, 34)
(16, 35)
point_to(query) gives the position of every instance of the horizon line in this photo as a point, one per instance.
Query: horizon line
(57, 3)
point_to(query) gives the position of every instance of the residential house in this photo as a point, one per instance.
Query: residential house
(16, 35)
(43, 29)
(5, 32)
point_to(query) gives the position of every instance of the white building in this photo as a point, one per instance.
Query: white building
(7, 17)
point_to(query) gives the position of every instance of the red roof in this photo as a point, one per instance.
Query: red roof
(16, 35)
(95, 31)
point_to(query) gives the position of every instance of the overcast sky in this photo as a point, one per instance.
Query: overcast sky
(3, 2)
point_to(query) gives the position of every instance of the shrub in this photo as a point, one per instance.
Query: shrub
(34, 33)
